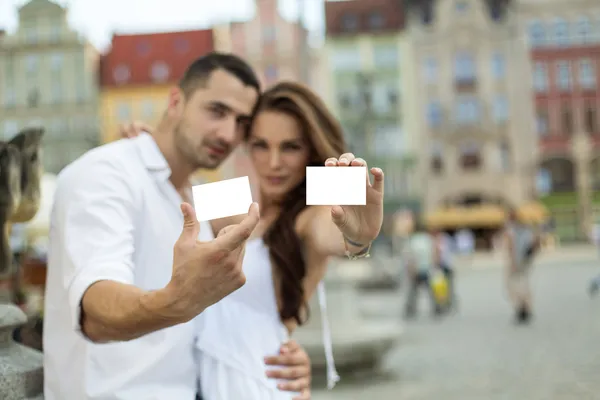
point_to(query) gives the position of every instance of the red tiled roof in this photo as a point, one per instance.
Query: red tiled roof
(147, 59)
(364, 16)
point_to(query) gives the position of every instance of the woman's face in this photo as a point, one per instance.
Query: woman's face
(279, 153)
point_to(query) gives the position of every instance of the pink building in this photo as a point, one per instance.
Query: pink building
(277, 49)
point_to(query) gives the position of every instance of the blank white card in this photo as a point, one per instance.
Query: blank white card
(342, 186)
(222, 199)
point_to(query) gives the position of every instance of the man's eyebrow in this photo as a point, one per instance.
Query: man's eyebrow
(226, 107)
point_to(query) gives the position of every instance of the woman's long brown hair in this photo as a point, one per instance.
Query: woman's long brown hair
(324, 135)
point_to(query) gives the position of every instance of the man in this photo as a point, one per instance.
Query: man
(422, 258)
(522, 245)
(124, 280)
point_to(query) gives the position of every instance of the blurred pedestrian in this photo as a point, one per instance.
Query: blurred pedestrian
(522, 244)
(595, 239)
(422, 259)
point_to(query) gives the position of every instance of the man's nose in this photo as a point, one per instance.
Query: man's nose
(228, 132)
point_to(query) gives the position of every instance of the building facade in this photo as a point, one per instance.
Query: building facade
(475, 119)
(137, 73)
(564, 44)
(277, 49)
(369, 87)
(48, 78)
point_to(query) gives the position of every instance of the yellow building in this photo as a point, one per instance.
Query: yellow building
(137, 73)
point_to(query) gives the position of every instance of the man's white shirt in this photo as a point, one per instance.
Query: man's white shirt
(116, 216)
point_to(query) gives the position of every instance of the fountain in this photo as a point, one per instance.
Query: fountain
(358, 345)
(21, 372)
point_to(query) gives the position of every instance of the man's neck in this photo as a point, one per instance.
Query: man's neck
(181, 171)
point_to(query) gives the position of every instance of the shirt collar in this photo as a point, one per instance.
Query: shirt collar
(152, 157)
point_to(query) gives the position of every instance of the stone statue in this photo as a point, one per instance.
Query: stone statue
(21, 374)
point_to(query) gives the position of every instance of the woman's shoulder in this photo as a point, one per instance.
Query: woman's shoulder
(306, 217)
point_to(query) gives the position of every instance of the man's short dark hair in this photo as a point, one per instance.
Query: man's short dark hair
(200, 70)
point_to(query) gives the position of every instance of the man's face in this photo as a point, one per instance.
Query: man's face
(213, 119)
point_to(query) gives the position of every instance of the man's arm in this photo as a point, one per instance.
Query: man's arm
(96, 210)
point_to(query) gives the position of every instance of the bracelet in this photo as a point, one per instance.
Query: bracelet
(364, 253)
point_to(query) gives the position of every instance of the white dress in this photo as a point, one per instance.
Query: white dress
(235, 334)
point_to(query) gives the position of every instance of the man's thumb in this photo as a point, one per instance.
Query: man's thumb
(191, 226)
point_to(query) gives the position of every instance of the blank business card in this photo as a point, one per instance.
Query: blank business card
(331, 186)
(222, 199)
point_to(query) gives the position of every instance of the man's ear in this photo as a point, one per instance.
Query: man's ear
(176, 102)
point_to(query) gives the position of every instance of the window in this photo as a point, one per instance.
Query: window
(80, 93)
(385, 97)
(386, 56)
(561, 32)
(591, 119)
(346, 59)
(182, 45)
(470, 155)
(160, 71)
(349, 22)
(147, 109)
(542, 124)
(31, 36)
(587, 74)
(143, 48)
(376, 20)
(33, 98)
(566, 119)
(57, 92)
(537, 34)
(543, 182)
(461, 6)
(55, 32)
(10, 129)
(500, 108)
(121, 74)
(434, 114)
(388, 141)
(32, 64)
(123, 112)
(430, 70)
(498, 66)
(467, 110)
(437, 158)
(9, 98)
(583, 28)
(504, 151)
(464, 67)
(540, 77)
(56, 62)
(564, 75)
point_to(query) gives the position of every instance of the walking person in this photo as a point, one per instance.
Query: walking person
(288, 253)
(595, 239)
(521, 245)
(422, 259)
(446, 248)
(125, 281)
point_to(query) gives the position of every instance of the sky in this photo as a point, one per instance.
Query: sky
(98, 19)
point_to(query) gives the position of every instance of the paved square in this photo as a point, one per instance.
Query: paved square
(479, 354)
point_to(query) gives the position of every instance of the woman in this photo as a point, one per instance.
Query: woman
(288, 253)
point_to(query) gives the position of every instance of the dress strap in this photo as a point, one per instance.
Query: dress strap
(332, 374)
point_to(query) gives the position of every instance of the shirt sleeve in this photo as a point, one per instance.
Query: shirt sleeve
(95, 213)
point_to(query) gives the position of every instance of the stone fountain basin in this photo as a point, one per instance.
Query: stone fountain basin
(363, 346)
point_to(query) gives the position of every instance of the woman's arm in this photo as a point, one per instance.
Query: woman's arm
(323, 236)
